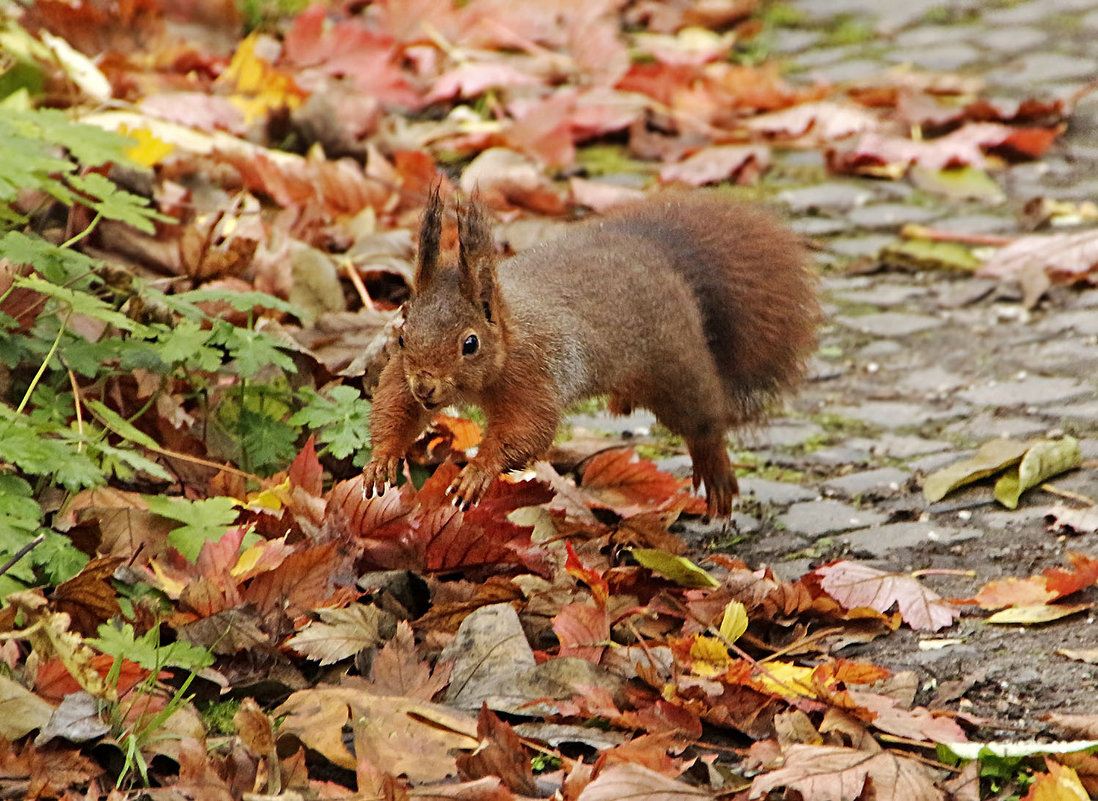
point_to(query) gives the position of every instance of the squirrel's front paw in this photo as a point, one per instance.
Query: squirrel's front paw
(381, 471)
(471, 484)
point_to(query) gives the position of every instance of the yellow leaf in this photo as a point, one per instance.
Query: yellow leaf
(1036, 613)
(787, 679)
(710, 656)
(150, 150)
(259, 86)
(270, 499)
(1044, 458)
(1061, 783)
(734, 622)
(171, 587)
(679, 570)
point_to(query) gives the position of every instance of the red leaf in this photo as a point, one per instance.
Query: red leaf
(592, 578)
(617, 479)
(305, 471)
(583, 630)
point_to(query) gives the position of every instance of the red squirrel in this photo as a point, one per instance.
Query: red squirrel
(699, 309)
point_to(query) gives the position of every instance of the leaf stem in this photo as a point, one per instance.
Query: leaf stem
(45, 363)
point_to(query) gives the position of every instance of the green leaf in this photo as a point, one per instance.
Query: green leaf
(119, 424)
(266, 442)
(676, 568)
(341, 421)
(88, 144)
(102, 195)
(959, 183)
(926, 254)
(1044, 459)
(147, 650)
(23, 445)
(19, 511)
(203, 521)
(56, 264)
(993, 456)
(80, 303)
(251, 350)
(187, 343)
(241, 301)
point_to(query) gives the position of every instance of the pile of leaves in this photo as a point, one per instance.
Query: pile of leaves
(203, 238)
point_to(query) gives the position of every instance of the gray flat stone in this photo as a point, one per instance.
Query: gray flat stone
(1031, 390)
(819, 226)
(1043, 68)
(882, 295)
(1087, 411)
(831, 196)
(976, 224)
(935, 461)
(931, 381)
(1082, 321)
(1012, 39)
(783, 434)
(985, 426)
(940, 57)
(891, 536)
(858, 69)
(882, 482)
(934, 35)
(775, 493)
(898, 446)
(890, 324)
(639, 422)
(859, 246)
(817, 518)
(892, 215)
(881, 350)
(891, 414)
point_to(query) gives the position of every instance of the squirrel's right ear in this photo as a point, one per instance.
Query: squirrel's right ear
(430, 230)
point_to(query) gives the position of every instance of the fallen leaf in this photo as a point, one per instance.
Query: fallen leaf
(736, 163)
(339, 634)
(1053, 583)
(1061, 783)
(1042, 460)
(993, 456)
(678, 569)
(839, 774)
(619, 480)
(501, 753)
(1065, 258)
(1076, 521)
(853, 584)
(638, 783)
(1041, 613)
(22, 710)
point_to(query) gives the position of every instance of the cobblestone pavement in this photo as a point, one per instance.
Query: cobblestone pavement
(917, 369)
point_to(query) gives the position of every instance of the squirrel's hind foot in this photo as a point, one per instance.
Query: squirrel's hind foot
(713, 468)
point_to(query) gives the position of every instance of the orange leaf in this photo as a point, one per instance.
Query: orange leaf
(617, 479)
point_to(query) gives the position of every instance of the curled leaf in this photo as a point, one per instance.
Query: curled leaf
(1043, 459)
(992, 457)
(675, 568)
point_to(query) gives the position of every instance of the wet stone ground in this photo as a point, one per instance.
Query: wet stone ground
(916, 369)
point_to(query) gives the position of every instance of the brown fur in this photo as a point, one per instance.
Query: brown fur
(699, 309)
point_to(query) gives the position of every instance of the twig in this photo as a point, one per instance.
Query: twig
(1063, 493)
(26, 549)
(911, 231)
(360, 288)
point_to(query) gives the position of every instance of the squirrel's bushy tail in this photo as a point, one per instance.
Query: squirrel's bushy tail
(753, 285)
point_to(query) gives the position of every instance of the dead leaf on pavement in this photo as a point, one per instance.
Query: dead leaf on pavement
(854, 585)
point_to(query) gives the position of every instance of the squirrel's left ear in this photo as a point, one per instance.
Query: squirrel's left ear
(478, 258)
(430, 230)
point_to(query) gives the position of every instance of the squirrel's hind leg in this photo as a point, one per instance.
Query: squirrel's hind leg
(713, 468)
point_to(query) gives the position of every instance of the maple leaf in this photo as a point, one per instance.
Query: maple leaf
(853, 585)
(398, 670)
(839, 774)
(1053, 583)
(339, 634)
(639, 783)
(618, 480)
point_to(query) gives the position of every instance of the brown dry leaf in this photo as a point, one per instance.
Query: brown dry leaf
(840, 774)
(21, 711)
(1088, 655)
(500, 753)
(398, 670)
(305, 580)
(639, 783)
(853, 585)
(816, 123)
(339, 634)
(583, 630)
(1077, 727)
(88, 598)
(1072, 521)
(914, 724)
(416, 738)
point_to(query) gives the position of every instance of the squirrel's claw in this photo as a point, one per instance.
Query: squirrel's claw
(470, 486)
(381, 472)
(721, 490)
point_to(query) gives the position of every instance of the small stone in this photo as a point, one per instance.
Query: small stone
(1084, 412)
(783, 434)
(817, 518)
(985, 426)
(899, 446)
(1013, 39)
(882, 294)
(819, 226)
(890, 324)
(859, 246)
(940, 57)
(931, 382)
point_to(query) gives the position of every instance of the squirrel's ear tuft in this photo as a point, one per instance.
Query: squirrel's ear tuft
(430, 230)
(478, 258)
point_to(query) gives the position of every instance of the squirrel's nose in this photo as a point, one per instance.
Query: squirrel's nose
(424, 389)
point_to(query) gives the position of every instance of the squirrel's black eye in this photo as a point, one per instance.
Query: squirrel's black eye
(469, 347)
(400, 340)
